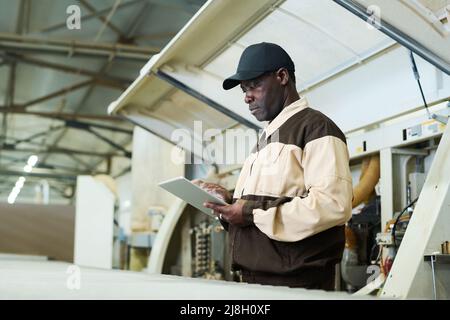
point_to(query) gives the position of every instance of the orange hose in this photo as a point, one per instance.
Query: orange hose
(370, 174)
(350, 238)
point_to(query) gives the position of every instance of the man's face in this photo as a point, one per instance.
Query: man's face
(264, 96)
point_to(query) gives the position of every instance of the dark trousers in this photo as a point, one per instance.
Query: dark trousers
(320, 279)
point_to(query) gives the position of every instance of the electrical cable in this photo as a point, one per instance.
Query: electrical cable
(417, 76)
(437, 117)
(398, 218)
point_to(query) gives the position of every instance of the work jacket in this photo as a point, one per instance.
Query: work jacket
(298, 191)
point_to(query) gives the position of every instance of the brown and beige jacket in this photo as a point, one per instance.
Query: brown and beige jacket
(298, 188)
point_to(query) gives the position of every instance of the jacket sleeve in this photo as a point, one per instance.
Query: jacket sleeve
(327, 179)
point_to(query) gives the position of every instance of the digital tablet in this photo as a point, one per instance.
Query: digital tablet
(191, 193)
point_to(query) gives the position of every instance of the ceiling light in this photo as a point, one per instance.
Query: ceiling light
(12, 197)
(32, 160)
(27, 168)
(16, 190)
(19, 184)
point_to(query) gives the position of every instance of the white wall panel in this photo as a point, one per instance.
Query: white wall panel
(94, 220)
(379, 89)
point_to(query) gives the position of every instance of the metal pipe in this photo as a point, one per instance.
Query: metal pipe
(101, 78)
(71, 177)
(49, 149)
(14, 42)
(105, 21)
(58, 93)
(62, 116)
(87, 125)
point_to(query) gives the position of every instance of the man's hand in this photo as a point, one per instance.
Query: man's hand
(214, 189)
(231, 213)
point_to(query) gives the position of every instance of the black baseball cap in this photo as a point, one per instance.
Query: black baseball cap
(258, 59)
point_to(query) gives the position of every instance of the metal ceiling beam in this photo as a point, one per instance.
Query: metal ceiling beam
(51, 166)
(106, 21)
(103, 69)
(86, 125)
(86, 17)
(87, 94)
(396, 34)
(155, 36)
(10, 87)
(12, 160)
(109, 160)
(78, 160)
(182, 6)
(103, 79)
(51, 149)
(9, 98)
(88, 128)
(39, 134)
(17, 173)
(117, 146)
(130, 32)
(20, 17)
(57, 93)
(121, 173)
(17, 43)
(137, 21)
(26, 16)
(62, 116)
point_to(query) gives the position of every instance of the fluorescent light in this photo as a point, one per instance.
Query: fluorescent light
(19, 184)
(27, 168)
(15, 190)
(12, 198)
(32, 160)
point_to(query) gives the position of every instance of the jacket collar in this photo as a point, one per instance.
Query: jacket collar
(284, 115)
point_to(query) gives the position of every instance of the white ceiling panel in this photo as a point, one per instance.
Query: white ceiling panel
(225, 64)
(313, 52)
(182, 110)
(426, 22)
(340, 25)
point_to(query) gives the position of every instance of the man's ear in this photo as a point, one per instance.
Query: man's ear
(283, 76)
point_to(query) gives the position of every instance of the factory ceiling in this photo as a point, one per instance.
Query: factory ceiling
(57, 79)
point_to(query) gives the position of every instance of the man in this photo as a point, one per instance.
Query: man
(294, 192)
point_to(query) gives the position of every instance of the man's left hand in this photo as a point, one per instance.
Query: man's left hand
(232, 213)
